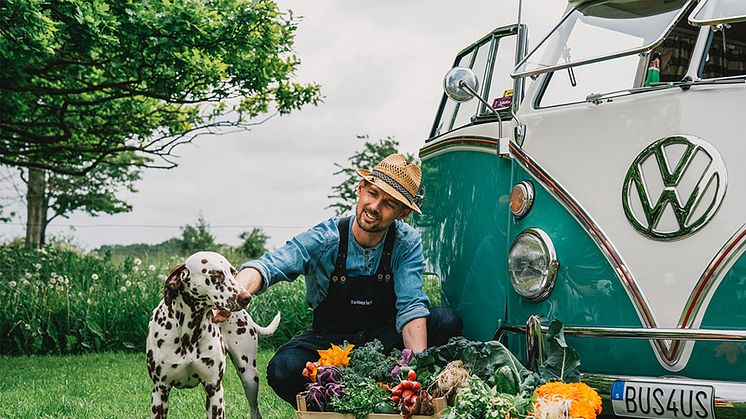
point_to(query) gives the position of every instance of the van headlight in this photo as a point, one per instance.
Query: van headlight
(532, 264)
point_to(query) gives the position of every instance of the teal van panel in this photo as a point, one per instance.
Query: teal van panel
(464, 231)
(589, 293)
(726, 310)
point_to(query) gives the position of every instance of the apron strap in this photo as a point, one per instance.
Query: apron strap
(340, 266)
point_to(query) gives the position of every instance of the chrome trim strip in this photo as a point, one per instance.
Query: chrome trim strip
(669, 353)
(461, 143)
(642, 333)
(641, 50)
(701, 22)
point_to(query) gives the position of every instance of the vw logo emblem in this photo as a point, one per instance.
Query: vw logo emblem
(674, 187)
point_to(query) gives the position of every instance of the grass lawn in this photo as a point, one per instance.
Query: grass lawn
(113, 385)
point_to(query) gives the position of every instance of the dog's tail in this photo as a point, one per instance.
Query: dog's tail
(266, 331)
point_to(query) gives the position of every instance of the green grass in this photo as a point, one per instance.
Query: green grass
(113, 385)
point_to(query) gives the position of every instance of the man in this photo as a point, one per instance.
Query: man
(363, 278)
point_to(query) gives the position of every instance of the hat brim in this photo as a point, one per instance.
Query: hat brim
(367, 175)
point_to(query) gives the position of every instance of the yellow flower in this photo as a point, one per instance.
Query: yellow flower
(584, 401)
(335, 356)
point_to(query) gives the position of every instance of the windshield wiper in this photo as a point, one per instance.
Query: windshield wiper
(685, 84)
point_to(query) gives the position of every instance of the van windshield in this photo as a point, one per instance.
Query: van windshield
(600, 30)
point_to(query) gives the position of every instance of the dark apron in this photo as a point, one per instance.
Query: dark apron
(356, 308)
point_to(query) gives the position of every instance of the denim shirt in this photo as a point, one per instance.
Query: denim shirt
(314, 252)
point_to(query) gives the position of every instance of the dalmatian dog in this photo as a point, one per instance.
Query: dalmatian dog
(200, 316)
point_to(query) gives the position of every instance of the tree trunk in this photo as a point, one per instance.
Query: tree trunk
(36, 203)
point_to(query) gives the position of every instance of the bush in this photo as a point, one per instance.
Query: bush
(61, 300)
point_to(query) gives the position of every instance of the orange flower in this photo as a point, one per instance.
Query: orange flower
(584, 401)
(335, 356)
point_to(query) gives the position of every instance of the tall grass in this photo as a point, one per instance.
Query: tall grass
(61, 300)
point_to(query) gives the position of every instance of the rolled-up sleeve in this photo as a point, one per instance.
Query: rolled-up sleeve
(293, 259)
(411, 301)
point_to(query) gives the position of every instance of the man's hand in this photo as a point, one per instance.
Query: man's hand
(414, 334)
(250, 279)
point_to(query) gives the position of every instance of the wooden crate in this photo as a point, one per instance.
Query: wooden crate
(302, 412)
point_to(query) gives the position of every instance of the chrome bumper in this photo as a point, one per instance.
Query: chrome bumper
(730, 398)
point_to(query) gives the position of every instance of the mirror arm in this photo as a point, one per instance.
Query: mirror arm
(463, 85)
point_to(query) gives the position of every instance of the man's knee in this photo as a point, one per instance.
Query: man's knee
(284, 374)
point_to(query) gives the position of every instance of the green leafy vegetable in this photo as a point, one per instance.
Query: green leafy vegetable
(369, 361)
(562, 361)
(360, 398)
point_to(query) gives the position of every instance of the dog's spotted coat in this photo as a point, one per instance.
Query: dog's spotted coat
(185, 347)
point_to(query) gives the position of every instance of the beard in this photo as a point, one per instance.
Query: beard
(375, 227)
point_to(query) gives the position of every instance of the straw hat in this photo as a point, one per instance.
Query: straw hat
(396, 177)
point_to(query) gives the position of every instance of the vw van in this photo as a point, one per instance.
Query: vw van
(600, 179)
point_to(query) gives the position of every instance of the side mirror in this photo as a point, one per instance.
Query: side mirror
(460, 84)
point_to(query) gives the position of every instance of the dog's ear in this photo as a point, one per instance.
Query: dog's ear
(173, 282)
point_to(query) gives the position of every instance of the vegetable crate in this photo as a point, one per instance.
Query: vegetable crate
(439, 403)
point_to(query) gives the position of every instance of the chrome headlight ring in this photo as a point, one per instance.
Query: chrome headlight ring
(532, 264)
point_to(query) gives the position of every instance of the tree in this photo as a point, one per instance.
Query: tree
(366, 158)
(253, 243)
(88, 81)
(197, 237)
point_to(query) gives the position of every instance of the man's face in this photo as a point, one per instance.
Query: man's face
(376, 209)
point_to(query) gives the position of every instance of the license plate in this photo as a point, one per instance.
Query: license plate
(648, 399)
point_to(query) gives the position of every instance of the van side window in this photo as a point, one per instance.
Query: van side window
(725, 59)
(491, 58)
(675, 53)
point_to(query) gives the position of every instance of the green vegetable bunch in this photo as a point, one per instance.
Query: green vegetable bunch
(360, 397)
(479, 400)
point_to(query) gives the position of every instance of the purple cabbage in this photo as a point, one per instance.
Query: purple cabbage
(327, 385)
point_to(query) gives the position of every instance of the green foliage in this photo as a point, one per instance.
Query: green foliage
(59, 300)
(562, 362)
(97, 192)
(371, 154)
(253, 243)
(360, 397)
(83, 80)
(369, 360)
(482, 358)
(197, 237)
(480, 401)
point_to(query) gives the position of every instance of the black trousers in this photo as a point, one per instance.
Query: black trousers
(284, 369)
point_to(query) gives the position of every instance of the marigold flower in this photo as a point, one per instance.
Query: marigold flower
(585, 402)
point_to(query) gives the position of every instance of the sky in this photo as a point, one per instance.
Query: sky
(380, 65)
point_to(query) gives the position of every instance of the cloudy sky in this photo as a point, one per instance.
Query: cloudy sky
(380, 64)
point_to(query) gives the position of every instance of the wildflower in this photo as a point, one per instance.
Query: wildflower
(37, 266)
(124, 276)
(28, 275)
(128, 284)
(24, 282)
(12, 284)
(66, 280)
(123, 289)
(54, 274)
(88, 301)
(52, 281)
(137, 261)
(162, 277)
(27, 326)
(151, 268)
(94, 277)
(135, 269)
(80, 294)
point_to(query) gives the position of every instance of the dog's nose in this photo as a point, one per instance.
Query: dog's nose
(244, 298)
